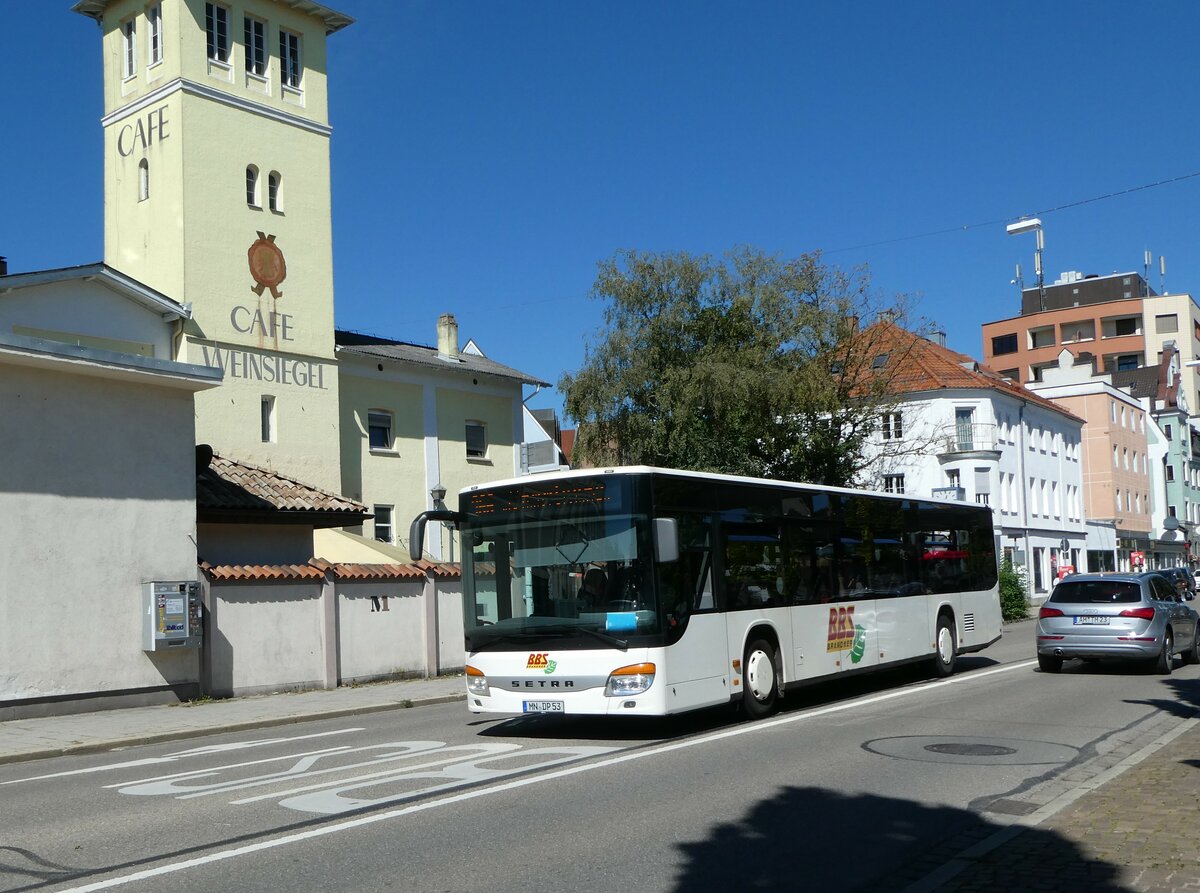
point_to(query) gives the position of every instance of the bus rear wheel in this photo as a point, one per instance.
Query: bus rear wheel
(760, 695)
(947, 647)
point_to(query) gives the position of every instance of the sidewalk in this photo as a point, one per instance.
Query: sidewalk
(1130, 822)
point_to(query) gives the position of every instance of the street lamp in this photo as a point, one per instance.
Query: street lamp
(1033, 225)
(438, 494)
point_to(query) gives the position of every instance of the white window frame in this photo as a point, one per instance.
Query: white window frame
(128, 48)
(381, 418)
(893, 483)
(154, 35)
(216, 27)
(275, 191)
(382, 512)
(254, 43)
(892, 425)
(268, 424)
(253, 189)
(291, 61)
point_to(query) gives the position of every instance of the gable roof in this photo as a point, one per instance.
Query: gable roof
(915, 364)
(229, 492)
(112, 279)
(358, 344)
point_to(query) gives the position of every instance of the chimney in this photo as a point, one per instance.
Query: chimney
(939, 338)
(447, 330)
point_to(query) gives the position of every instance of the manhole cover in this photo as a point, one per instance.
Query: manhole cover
(962, 749)
(971, 750)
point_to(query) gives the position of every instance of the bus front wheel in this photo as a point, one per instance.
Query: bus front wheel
(760, 693)
(947, 646)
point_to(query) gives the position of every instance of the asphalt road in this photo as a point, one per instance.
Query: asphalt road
(860, 785)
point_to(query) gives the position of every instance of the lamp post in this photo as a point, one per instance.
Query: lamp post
(1034, 225)
(438, 494)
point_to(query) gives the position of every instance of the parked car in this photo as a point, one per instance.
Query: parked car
(1131, 616)
(1183, 581)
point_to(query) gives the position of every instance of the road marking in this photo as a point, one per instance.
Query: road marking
(178, 755)
(623, 757)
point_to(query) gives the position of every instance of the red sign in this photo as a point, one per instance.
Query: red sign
(1137, 559)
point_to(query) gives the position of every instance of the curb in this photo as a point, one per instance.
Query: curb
(244, 725)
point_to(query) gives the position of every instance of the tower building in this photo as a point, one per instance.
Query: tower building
(217, 193)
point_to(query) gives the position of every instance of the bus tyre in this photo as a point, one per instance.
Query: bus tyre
(760, 693)
(947, 647)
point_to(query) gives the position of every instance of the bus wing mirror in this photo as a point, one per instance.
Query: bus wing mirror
(416, 530)
(666, 539)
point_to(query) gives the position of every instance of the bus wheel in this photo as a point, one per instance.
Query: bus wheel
(760, 694)
(944, 657)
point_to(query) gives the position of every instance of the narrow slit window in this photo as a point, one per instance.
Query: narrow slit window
(252, 187)
(268, 419)
(274, 192)
(143, 180)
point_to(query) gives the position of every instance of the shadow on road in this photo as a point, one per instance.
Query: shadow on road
(813, 839)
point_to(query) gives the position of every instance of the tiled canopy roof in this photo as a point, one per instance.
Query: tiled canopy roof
(316, 570)
(228, 491)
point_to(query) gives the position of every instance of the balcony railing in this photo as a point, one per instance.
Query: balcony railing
(967, 438)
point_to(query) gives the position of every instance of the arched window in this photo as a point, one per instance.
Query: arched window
(143, 180)
(252, 198)
(274, 192)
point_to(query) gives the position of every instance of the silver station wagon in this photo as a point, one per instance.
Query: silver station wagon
(1130, 616)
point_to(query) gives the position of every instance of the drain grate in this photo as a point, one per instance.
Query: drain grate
(965, 749)
(1012, 807)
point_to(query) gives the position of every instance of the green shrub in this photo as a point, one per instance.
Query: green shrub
(1014, 598)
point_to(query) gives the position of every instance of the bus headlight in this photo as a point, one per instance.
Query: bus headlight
(477, 683)
(631, 680)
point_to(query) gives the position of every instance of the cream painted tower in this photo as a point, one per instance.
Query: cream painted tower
(217, 194)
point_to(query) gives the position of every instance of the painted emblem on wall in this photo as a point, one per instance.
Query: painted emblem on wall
(267, 265)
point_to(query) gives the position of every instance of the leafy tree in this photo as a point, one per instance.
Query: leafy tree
(749, 364)
(1014, 598)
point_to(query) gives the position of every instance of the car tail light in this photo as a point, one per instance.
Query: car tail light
(1139, 613)
(1043, 611)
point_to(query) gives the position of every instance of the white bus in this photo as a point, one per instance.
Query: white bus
(641, 591)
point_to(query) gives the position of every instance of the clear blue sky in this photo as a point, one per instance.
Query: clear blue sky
(487, 154)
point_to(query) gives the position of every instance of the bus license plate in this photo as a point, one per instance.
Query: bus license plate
(1088, 621)
(543, 706)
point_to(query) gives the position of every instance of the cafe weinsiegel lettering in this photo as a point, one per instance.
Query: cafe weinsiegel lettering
(143, 133)
(266, 367)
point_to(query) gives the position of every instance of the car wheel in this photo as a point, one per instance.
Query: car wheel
(1192, 655)
(947, 647)
(1048, 663)
(1166, 657)
(760, 693)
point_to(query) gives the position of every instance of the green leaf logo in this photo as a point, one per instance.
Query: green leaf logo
(550, 666)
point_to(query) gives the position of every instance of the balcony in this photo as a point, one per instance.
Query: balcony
(953, 494)
(969, 438)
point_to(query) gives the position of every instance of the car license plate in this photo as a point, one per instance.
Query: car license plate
(1091, 621)
(543, 706)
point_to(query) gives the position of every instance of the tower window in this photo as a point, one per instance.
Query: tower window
(289, 59)
(256, 46)
(154, 39)
(268, 419)
(143, 180)
(252, 198)
(128, 49)
(216, 25)
(274, 195)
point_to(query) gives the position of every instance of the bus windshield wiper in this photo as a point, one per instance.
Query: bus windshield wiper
(606, 638)
(504, 637)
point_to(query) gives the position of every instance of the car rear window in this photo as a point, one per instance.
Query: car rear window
(1101, 592)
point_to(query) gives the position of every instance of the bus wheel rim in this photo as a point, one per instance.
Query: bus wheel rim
(759, 673)
(944, 644)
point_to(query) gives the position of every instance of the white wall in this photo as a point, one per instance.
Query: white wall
(97, 496)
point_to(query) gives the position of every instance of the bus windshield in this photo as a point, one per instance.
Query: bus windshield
(564, 566)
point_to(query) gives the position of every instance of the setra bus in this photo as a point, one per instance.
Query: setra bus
(641, 591)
